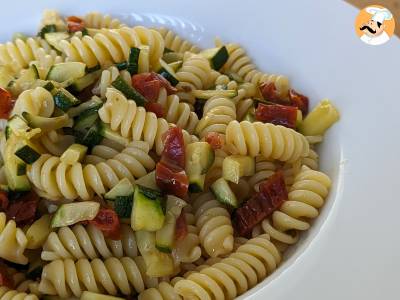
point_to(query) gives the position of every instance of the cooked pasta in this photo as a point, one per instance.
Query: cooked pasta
(88, 242)
(66, 277)
(106, 79)
(55, 143)
(98, 20)
(8, 294)
(175, 43)
(52, 17)
(271, 141)
(164, 291)
(133, 121)
(37, 101)
(214, 225)
(12, 241)
(264, 169)
(234, 275)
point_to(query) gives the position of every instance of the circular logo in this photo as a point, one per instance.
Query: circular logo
(375, 25)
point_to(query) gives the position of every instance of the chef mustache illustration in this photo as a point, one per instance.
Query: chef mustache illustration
(370, 29)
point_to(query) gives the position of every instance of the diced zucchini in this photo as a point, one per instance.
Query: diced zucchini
(93, 69)
(217, 56)
(21, 169)
(16, 124)
(148, 212)
(224, 194)
(129, 92)
(46, 29)
(148, 180)
(64, 99)
(122, 65)
(17, 183)
(93, 105)
(66, 71)
(37, 232)
(48, 86)
(168, 73)
(27, 153)
(167, 50)
(54, 38)
(46, 124)
(158, 264)
(106, 132)
(172, 57)
(323, 116)
(75, 153)
(86, 295)
(90, 137)
(207, 94)
(81, 83)
(133, 62)
(86, 120)
(122, 197)
(236, 166)
(72, 213)
(199, 158)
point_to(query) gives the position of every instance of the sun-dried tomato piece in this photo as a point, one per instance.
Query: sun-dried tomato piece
(5, 278)
(23, 210)
(149, 85)
(3, 201)
(6, 103)
(215, 140)
(174, 148)
(155, 108)
(172, 180)
(269, 91)
(298, 100)
(270, 197)
(277, 114)
(107, 221)
(75, 24)
(181, 227)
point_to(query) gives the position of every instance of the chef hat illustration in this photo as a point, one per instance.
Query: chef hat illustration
(379, 14)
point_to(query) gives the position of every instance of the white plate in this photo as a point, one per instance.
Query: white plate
(353, 249)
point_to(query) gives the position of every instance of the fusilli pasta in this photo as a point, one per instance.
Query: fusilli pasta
(12, 241)
(98, 20)
(175, 43)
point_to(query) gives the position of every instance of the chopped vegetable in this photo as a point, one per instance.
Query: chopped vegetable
(5, 278)
(155, 108)
(72, 213)
(3, 201)
(224, 194)
(130, 92)
(172, 180)
(6, 103)
(269, 92)
(75, 24)
(236, 166)
(149, 85)
(107, 221)
(298, 100)
(174, 148)
(277, 114)
(215, 140)
(23, 210)
(181, 227)
(270, 197)
(46, 29)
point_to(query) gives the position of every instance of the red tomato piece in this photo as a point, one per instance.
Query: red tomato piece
(3, 201)
(298, 100)
(107, 221)
(155, 108)
(5, 278)
(181, 228)
(269, 92)
(149, 85)
(75, 24)
(277, 114)
(174, 148)
(151, 90)
(270, 197)
(215, 140)
(172, 180)
(6, 103)
(23, 210)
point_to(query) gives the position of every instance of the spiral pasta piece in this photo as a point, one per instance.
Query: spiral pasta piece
(13, 241)
(88, 242)
(234, 275)
(98, 20)
(55, 143)
(175, 43)
(164, 291)
(178, 112)
(195, 73)
(52, 17)
(239, 63)
(37, 101)
(214, 224)
(133, 122)
(264, 169)
(8, 294)
(57, 179)
(106, 79)
(271, 141)
(306, 196)
(217, 113)
(114, 275)
(20, 53)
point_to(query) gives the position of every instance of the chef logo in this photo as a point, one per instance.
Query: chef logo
(375, 25)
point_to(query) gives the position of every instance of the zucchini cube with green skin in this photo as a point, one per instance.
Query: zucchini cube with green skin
(72, 213)
(128, 91)
(236, 166)
(148, 212)
(75, 153)
(64, 99)
(46, 124)
(66, 71)
(217, 56)
(168, 73)
(224, 194)
(121, 196)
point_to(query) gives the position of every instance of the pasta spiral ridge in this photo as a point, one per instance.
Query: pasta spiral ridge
(195, 73)
(56, 143)
(214, 224)
(58, 179)
(37, 101)
(88, 242)
(114, 275)
(271, 141)
(8, 294)
(98, 20)
(133, 122)
(175, 43)
(306, 196)
(234, 275)
(239, 63)
(13, 241)
(106, 79)
(178, 112)
(20, 53)
(217, 113)
(264, 169)
(164, 291)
